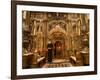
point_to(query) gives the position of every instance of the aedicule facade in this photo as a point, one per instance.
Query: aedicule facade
(68, 32)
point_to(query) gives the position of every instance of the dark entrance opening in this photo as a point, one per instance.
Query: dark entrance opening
(58, 49)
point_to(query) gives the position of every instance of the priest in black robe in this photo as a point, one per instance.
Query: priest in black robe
(50, 51)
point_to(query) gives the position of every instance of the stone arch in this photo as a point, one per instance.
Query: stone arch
(57, 29)
(56, 22)
(58, 34)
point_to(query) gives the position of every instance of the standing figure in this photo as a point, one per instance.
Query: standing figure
(50, 51)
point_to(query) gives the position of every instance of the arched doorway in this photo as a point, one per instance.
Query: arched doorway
(58, 37)
(58, 49)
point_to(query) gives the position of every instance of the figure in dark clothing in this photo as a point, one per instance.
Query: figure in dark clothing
(50, 51)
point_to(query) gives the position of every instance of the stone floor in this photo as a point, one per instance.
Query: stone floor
(58, 63)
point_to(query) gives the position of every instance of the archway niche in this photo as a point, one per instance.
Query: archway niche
(58, 36)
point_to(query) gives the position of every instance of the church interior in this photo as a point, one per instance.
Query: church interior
(54, 39)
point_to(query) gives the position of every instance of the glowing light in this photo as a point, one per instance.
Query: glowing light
(57, 26)
(35, 50)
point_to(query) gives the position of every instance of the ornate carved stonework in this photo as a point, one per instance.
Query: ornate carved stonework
(68, 29)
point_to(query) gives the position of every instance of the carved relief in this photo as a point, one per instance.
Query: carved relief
(67, 32)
